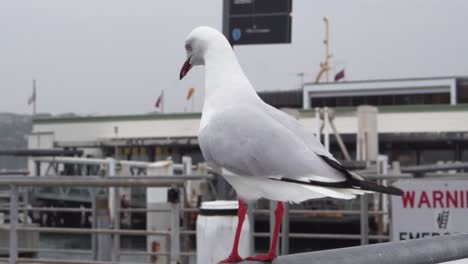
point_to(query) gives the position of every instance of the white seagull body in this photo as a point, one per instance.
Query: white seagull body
(272, 155)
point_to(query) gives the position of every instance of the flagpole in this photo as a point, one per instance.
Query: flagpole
(34, 97)
(327, 48)
(162, 102)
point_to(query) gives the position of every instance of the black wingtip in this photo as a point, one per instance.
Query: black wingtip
(370, 186)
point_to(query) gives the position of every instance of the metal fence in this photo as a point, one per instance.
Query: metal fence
(113, 228)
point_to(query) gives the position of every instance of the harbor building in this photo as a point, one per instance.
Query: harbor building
(420, 121)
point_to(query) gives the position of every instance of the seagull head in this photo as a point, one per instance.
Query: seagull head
(197, 43)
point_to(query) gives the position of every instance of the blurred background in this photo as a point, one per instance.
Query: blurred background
(87, 84)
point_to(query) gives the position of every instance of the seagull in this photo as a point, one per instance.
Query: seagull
(270, 154)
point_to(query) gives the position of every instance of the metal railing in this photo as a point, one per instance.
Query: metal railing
(90, 181)
(147, 181)
(418, 251)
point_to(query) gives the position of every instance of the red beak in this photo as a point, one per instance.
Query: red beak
(185, 69)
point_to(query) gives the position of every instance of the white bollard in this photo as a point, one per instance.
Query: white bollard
(216, 228)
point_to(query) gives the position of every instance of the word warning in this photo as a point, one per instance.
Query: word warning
(429, 208)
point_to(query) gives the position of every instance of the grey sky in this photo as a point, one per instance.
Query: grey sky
(114, 57)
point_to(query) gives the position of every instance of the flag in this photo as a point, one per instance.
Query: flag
(32, 98)
(159, 101)
(340, 75)
(190, 93)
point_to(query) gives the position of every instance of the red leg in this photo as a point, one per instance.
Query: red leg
(234, 256)
(279, 212)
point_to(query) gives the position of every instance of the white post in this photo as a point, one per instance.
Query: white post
(385, 200)
(453, 92)
(114, 202)
(175, 233)
(13, 224)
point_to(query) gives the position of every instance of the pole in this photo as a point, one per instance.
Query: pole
(439, 249)
(250, 217)
(285, 231)
(175, 233)
(94, 238)
(327, 48)
(225, 22)
(34, 98)
(114, 196)
(364, 219)
(13, 225)
(301, 75)
(162, 102)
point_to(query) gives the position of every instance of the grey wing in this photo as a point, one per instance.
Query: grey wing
(297, 129)
(248, 141)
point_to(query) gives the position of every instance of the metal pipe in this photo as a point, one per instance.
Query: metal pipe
(310, 212)
(89, 161)
(325, 236)
(251, 219)
(52, 250)
(285, 231)
(364, 219)
(114, 196)
(417, 251)
(61, 261)
(13, 225)
(94, 247)
(271, 218)
(175, 233)
(60, 209)
(254, 211)
(435, 167)
(93, 231)
(92, 181)
(339, 140)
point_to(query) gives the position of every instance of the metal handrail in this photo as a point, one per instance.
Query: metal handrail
(93, 231)
(61, 261)
(144, 181)
(417, 251)
(188, 210)
(324, 236)
(97, 181)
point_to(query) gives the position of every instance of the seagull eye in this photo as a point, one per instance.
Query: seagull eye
(188, 47)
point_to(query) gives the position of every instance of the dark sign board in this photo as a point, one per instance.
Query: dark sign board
(259, 29)
(247, 7)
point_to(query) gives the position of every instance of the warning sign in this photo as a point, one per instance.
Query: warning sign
(429, 208)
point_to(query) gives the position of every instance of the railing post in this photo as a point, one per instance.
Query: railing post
(94, 244)
(13, 224)
(364, 219)
(285, 231)
(250, 216)
(104, 241)
(116, 209)
(272, 220)
(273, 205)
(174, 200)
(114, 196)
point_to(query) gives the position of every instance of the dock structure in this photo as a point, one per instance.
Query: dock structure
(418, 251)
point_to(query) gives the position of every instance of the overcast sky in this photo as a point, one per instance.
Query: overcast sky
(115, 57)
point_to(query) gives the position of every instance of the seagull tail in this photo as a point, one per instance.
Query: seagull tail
(356, 181)
(374, 187)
